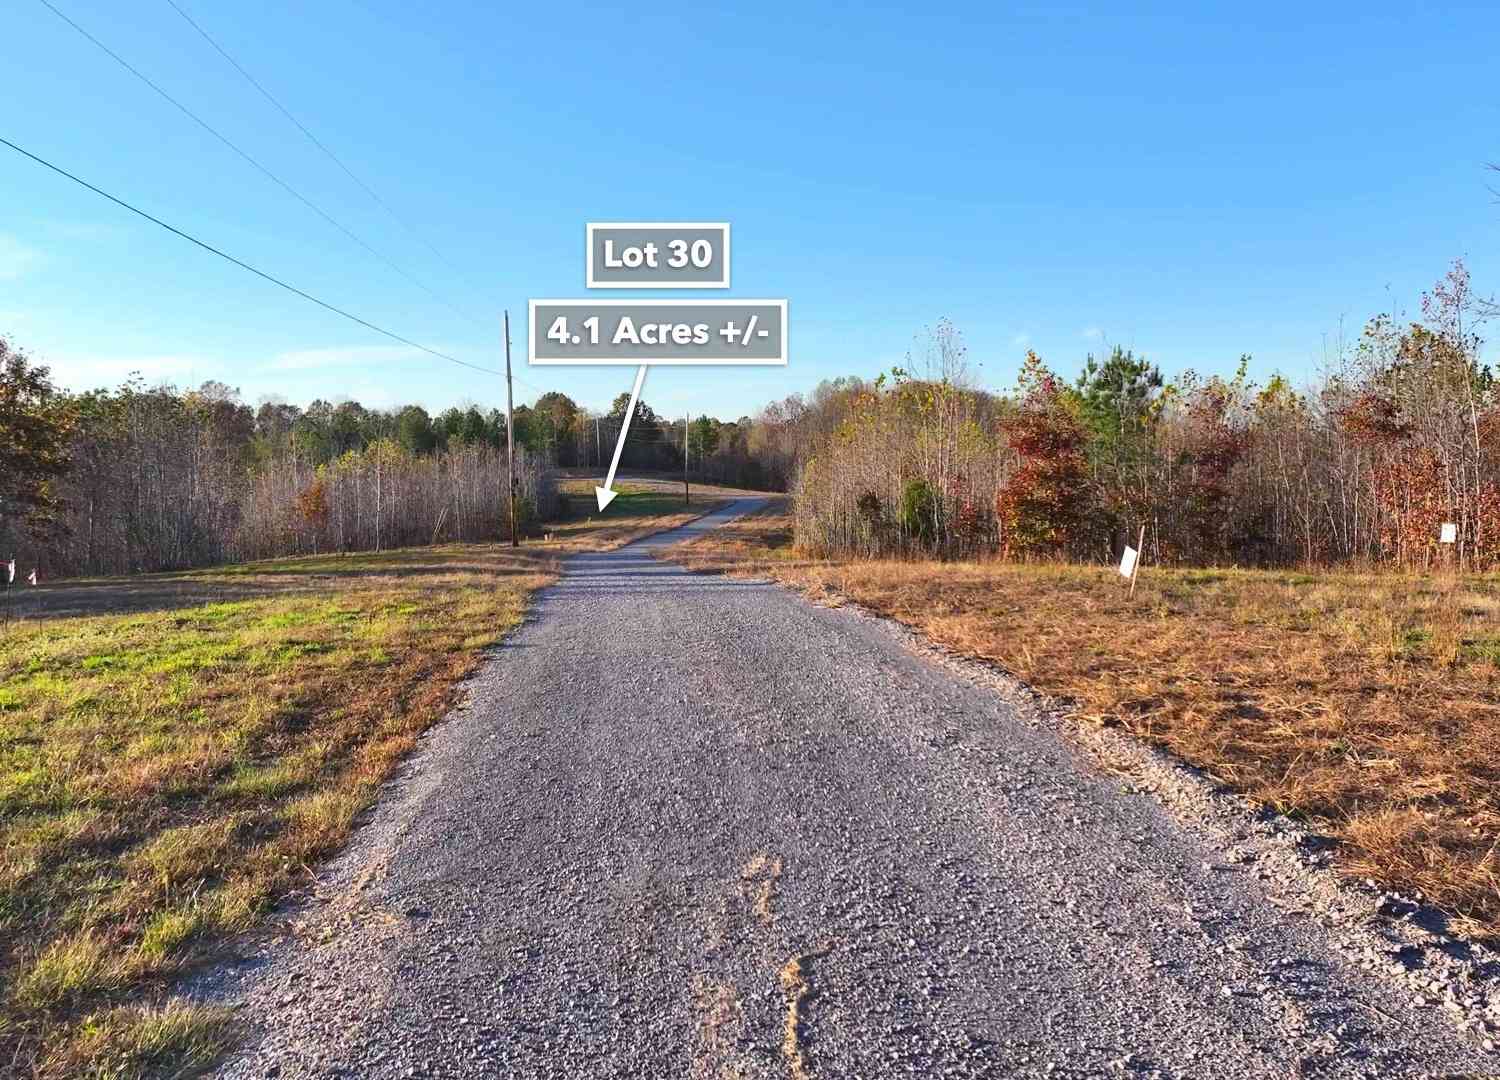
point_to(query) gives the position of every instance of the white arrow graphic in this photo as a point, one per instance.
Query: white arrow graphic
(604, 494)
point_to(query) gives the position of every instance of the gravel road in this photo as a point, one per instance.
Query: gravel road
(691, 826)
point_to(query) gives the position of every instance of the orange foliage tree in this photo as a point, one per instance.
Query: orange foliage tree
(312, 509)
(1044, 502)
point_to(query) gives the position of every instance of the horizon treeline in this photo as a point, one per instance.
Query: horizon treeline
(1398, 436)
(142, 478)
(139, 479)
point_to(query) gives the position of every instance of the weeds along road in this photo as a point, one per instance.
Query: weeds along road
(691, 826)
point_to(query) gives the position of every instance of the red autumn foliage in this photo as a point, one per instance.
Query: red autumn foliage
(1372, 417)
(1044, 501)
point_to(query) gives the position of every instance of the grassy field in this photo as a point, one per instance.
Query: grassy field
(178, 750)
(1366, 704)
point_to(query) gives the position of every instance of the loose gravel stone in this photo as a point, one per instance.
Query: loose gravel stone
(696, 826)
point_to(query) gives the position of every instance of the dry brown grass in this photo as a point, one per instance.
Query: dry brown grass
(759, 879)
(796, 989)
(1365, 703)
(168, 773)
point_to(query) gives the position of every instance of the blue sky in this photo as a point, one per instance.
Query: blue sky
(1193, 182)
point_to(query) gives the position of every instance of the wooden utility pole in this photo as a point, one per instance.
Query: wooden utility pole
(686, 496)
(510, 437)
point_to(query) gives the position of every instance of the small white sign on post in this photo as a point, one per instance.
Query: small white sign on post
(1127, 562)
(1448, 534)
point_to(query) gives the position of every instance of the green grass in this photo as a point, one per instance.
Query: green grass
(160, 773)
(166, 775)
(136, 1041)
(631, 500)
(646, 502)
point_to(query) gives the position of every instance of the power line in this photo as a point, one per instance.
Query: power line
(206, 126)
(530, 386)
(368, 190)
(244, 265)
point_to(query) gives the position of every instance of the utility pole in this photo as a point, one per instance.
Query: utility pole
(598, 457)
(686, 498)
(510, 436)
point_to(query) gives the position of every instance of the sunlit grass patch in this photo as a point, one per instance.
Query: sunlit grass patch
(134, 1042)
(250, 780)
(67, 967)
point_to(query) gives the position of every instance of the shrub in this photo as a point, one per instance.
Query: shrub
(919, 511)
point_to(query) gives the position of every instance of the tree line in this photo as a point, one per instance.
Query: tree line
(725, 452)
(1398, 436)
(154, 478)
(142, 478)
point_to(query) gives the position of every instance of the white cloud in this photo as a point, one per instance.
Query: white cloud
(341, 356)
(687, 394)
(1021, 340)
(16, 258)
(91, 372)
(1093, 333)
